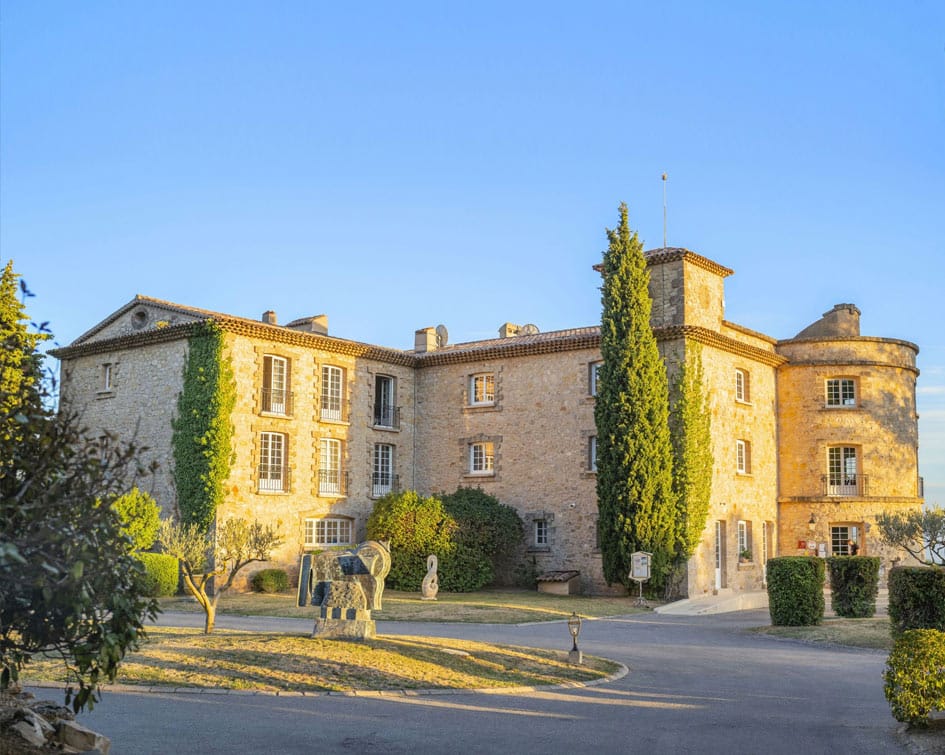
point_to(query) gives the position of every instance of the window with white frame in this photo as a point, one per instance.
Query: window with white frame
(542, 535)
(332, 393)
(330, 479)
(743, 456)
(844, 540)
(744, 541)
(107, 376)
(385, 411)
(843, 476)
(592, 453)
(272, 456)
(275, 391)
(841, 392)
(481, 458)
(382, 478)
(327, 531)
(593, 374)
(742, 386)
(482, 389)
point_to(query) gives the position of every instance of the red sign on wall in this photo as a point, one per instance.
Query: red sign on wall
(802, 545)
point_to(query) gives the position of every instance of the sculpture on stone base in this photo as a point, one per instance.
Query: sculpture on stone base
(346, 586)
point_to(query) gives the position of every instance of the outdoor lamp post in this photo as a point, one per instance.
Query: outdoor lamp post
(574, 627)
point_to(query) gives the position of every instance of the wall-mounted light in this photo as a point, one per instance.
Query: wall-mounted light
(811, 523)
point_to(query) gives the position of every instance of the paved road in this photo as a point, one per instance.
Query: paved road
(695, 685)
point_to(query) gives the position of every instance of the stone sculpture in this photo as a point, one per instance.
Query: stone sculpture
(346, 586)
(430, 585)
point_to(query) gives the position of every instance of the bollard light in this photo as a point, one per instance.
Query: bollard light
(574, 627)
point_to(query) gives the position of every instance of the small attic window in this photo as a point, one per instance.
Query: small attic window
(139, 319)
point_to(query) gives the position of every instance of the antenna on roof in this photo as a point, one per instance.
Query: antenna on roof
(664, 211)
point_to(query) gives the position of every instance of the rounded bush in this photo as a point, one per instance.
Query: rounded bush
(160, 574)
(796, 590)
(854, 583)
(916, 598)
(915, 675)
(140, 517)
(270, 580)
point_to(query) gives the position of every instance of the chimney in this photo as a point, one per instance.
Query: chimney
(424, 340)
(508, 330)
(269, 317)
(317, 324)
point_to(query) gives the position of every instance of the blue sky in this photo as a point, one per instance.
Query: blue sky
(402, 165)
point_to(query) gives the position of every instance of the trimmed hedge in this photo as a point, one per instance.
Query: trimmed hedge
(915, 675)
(916, 598)
(160, 574)
(270, 580)
(854, 583)
(796, 590)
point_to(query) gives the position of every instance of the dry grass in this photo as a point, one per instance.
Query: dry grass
(275, 661)
(485, 607)
(861, 633)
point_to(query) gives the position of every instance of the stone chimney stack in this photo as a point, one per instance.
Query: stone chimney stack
(424, 340)
(269, 317)
(317, 325)
(509, 330)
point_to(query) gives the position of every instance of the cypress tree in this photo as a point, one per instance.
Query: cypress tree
(690, 425)
(634, 455)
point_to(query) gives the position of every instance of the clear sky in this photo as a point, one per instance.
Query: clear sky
(401, 165)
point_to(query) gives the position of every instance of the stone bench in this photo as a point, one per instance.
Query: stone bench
(566, 582)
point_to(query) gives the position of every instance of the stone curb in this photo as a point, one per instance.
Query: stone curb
(618, 674)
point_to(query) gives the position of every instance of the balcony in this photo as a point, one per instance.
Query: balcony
(273, 479)
(383, 483)
(332, 482)
(387, 416)
(333, 412)
(848, 485)
(276, 401)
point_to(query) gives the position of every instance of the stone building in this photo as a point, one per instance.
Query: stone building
(812, 436)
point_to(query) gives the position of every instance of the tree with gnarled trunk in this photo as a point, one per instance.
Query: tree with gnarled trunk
(238, 543)
(921, 534)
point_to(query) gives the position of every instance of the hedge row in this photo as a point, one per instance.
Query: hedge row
(796, 590)
(915, 675)
(854, 583)
(916, 598)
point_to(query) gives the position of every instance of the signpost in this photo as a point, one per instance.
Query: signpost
(640, 572)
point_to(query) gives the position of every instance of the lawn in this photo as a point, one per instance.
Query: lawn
(177, 657)
(861, 633)
(484, 607)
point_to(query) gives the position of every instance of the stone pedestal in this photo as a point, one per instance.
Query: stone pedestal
(576, 657)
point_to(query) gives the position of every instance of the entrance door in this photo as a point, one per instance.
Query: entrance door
(719, 554)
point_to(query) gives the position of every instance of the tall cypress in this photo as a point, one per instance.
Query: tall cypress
(634, 456)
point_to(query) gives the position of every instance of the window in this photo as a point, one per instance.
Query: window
(841, 392)
(330, 478)
(542, 539)
(842, 473)
(272, 454)
(481, 458)
(592, 377)
(332, 393)
(592, 453)
(382, 480)
(330, 531)
(744, 541)
(743, 456)
(106, 377)
(844, 540)
(275, 390)
(482, 389)
(385, 413)
(742, 386)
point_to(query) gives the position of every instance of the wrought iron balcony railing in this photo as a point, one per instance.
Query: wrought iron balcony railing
(333, 412)
(387, 416)
(276, 401)
(273, 478)
(854, 485)
(332, 482)
(383, 483)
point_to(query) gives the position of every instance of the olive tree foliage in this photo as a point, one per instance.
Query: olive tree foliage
(69, 585)
(635, 498)
(690, 422)
(921, 534)
(221, 552)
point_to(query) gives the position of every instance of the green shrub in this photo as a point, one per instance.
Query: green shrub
(916, 598)
(854, 583)
(140, 517)
(464, 569)
(270, 580)
(915, 675)
(415, 527)
(161, 574)
(484, 523)
(796, 590)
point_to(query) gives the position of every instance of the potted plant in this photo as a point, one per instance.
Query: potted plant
(744, 557)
